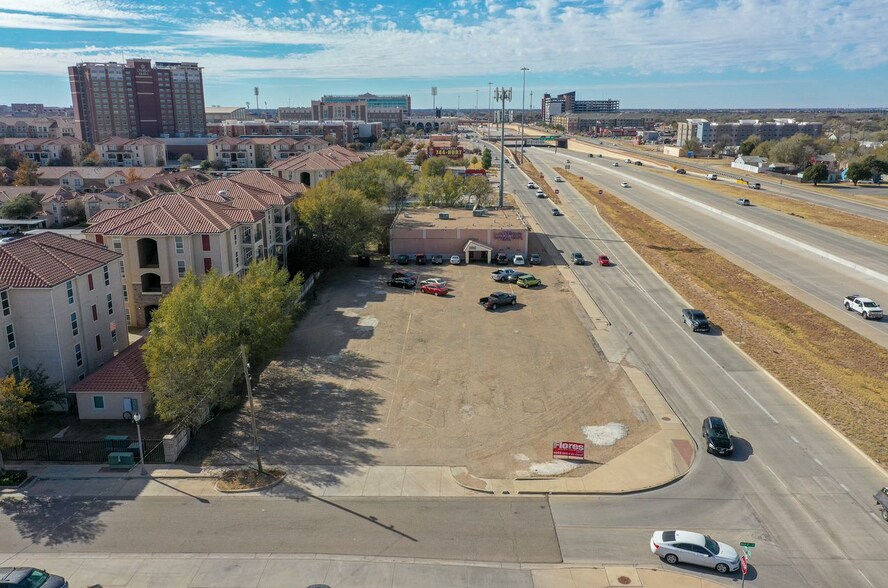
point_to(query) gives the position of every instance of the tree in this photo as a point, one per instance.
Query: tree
(26, 174)
(46, 396)
(20, 207)
(816, 173)
(479, 188)
(486, 158)
(403, 151)
(420, 157)
(747, 146)
(185, 161)
(132, 176)
(693, 145)
(92, 159)
(763, 149)
(857, 171)
(76, 211)
(381, 179)
(15, 411)
(435, 166)
(339, 221)
(796, 150)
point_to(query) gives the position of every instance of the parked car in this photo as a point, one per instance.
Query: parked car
(518, 260)
(743, 201)
(534, 259)
(403, 259)
(625, 184)
(497, 299)
(556, 212)
(680, 171)
(577, 258)
(531, 185)
(420, 259)
(695, 548)
(437, 259)
(455, 260)
(695, 319)
(436, 289)
(30, 578)
(501, 259)
(718, 440)
(528, 281)
(604, 260)
(500, 275)
(433, 282)
(403, 274)
(402, 282)
(540, 194)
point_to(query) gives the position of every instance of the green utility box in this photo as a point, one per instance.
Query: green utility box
(121, 460)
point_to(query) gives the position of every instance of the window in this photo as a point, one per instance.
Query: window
(69, 288)
(99, 402)
(74, 329)
(205, 240)
(107, 276)
(180, 264)
(110, 303)
(10, 336)
(180, 246)
(208, 265)
(113, 335)
(15, 367)
(89, 280)
(125, 294)
(78, 356)
(95, 312)
(116, 244)
(122, 271)
(98, 342)
(126, 310)
(4, 302)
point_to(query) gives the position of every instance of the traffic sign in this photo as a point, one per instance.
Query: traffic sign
(746, 544)
(743, 566)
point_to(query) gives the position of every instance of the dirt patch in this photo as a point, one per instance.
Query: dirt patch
(249, 479)
(835, 371)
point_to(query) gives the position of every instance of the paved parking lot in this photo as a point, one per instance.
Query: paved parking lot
(380, 375)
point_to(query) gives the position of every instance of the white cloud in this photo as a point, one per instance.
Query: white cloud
(19, 20)
(107, 9)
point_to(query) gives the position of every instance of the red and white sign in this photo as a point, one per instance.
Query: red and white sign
(743, 567)
(568, 449)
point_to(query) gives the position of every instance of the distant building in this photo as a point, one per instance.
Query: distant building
(389, 110)
(708, 133)
(253, 152)
(311, 168)
(46, 152)
(295, 113)
(122, 152)
(134, 99)
(37, 127)
(92, 179)
(568, 104)
(605, 123)
(216, 114)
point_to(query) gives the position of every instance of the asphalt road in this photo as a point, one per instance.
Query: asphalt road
(513, 530)
(783, 250)
(794, 487)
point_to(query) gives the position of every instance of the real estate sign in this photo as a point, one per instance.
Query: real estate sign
(568, 449)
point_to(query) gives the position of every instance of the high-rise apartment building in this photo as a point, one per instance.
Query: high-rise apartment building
(135, 99)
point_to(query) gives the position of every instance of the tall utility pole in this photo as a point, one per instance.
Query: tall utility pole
(434, 109)
(502, 95)
(243, 353)
(476, 103)
(256, 92)
(489, 111)
(523, 80)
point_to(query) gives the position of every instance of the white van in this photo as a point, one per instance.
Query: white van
(711, 176)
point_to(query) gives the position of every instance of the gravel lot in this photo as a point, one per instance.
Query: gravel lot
(380, 375)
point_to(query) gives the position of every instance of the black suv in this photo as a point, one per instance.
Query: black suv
(695, 319)
(718, 440)
(502, 259)
(403, 282)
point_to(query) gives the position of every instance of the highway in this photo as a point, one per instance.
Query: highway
(797, 489)
(816, 264)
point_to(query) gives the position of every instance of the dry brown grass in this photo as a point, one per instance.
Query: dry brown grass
(248, 479)
(835, 371)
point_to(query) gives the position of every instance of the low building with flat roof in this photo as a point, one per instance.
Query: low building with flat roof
(474, 235)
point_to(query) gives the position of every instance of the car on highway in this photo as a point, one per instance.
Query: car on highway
(534, 259)
(531, 185)
(696, 319)
(455, 260)
(12, 577)
(402, 282)
(436, 289)
(712, 176)
(511, 166)
(540, 194)
(681, 171)
(528, 281)
(556, 212)
(743, 202)
(502, 275)
(718, 440)
(433, 282)
(437, 259)
(559, 179)
(518, 260)
(403, 259)
(628, 160)
(865, 307)
(577, 258)
(604, 260)
(695, 548)
(616, 164)
(625, 184)
(639, 163)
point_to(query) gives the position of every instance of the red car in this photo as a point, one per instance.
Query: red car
(435, 289)
(603, 260)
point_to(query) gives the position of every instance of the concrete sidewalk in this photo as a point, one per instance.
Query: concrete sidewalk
(199, 570)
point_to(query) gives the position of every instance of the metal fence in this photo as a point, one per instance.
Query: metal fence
(83, 451)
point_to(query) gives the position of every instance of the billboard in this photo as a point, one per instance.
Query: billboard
(568, 449)
(451, 152)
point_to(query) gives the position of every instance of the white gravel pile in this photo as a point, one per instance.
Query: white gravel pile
(552, 468)
(606, 435)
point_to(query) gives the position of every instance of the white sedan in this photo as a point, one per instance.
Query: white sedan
(455, 259)
(434, 282)
(625, 184)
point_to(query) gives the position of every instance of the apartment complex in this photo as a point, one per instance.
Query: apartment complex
(253, 152)
(123, 152)
(311, 168)
(93, 179)
(134, 99)
(567, 103)
(709, 133)
(61, 306)
(36, 127)
(35, 110)
(222, 224)
(64, 150)
(127, 195)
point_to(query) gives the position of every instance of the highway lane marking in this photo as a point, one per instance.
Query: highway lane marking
(865, 578)
(778, 477)
(845, 488)
(872, 514)
(817, 461)
(793, 438)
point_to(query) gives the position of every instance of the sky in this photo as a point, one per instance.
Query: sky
(688, 54)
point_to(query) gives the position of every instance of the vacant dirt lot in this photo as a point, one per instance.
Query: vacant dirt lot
(379, 375)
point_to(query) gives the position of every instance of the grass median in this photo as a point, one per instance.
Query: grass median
(835, 371)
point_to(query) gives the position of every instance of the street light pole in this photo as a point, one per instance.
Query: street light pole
(243, 353)
(136, 418)
(523, 79)
(502, 94)
(489, 111)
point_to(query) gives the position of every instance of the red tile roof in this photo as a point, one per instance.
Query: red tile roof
(125, 373)
(252, 190)
(171, 214)
(329, 158)
(45, 260)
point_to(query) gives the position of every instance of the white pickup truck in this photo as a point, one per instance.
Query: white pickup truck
(864, 306)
